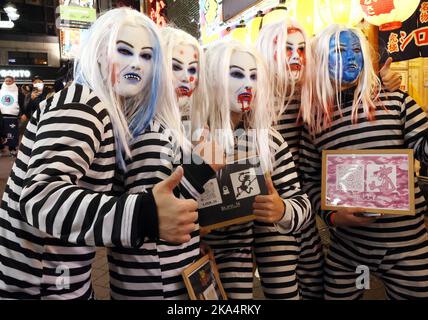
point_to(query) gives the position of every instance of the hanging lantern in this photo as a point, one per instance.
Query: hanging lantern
(275, 15)
(346, 12)
(254, 27)
(303, 12)
(388, 14)
(239, 32)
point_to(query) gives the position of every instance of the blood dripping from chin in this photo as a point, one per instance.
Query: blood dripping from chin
(245, 98)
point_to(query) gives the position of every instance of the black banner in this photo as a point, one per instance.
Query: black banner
(408, 42)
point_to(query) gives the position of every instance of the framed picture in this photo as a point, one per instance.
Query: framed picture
(203, 281)
(379, 181)
(228, 198)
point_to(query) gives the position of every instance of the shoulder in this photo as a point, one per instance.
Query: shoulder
(79, 99)
(275, 138)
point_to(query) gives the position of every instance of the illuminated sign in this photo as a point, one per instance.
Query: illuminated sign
(76, 17)
(21, 73)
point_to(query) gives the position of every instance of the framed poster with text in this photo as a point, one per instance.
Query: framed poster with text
(379, 181)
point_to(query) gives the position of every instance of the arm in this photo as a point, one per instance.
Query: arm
(67, 140)
(415, 128)
(154, 156)
(297, 205)
(310, 168)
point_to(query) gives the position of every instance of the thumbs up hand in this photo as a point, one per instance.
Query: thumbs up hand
(269, 208)
(390, 79)
(176, 216)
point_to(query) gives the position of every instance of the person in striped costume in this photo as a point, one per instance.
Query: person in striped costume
(351, 111)
(154, 270)
(240, 117)
(61, 199)
(186, 58)
(283, 45)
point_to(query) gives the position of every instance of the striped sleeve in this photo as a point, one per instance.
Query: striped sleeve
(155, 156)
(284, 177)
(67, 139)
(415, 128)
(310, 170)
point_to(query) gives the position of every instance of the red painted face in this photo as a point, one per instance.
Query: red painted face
(185, 67)
(295, 52)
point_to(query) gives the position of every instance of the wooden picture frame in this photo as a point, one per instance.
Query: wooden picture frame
(379, 181)
(202, 280)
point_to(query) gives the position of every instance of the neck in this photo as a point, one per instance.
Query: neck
(235, 118)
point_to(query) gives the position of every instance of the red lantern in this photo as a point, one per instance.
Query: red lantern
(388, 14)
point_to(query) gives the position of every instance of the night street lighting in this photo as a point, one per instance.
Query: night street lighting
(12, 14)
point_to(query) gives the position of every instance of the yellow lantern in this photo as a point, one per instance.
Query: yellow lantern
(239, 33)
(275, 15)
(254, 27)
(347, 12)
(388, 14)
(303, 12)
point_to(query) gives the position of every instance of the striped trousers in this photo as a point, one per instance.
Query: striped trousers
(235, 268)
(403, 271)
(290, 267)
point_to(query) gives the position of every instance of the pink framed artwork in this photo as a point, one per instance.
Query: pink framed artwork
(379, 181)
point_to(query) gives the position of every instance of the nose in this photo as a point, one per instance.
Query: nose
(184, 77)
(136, 65)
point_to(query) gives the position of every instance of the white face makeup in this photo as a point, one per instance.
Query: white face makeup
(242, 81)
(185, 68)
(295, 49)
(132, 61)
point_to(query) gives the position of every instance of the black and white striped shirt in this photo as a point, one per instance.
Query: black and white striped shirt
(62, 185)
(399, 124)
(290, 127)
(285, 179)
(154, 270)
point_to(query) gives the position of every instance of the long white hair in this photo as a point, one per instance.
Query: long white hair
(172, 37)
(271, 43)
(260, 117)
(130, 117)
(327, 89)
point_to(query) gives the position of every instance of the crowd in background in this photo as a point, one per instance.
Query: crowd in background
(17, 104)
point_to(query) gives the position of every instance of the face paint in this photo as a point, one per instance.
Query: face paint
(242, 81)
(351, 54)
(132, 61)
(295, 49)
(185, 67)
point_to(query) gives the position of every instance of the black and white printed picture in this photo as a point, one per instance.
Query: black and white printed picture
(245, 183)
(231, 194)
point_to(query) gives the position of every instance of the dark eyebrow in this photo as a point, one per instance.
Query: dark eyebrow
(253, 69)
(193, 62)
(176, 60)
(299, 44)
(144, 48)
(124, 42)
(236, 67)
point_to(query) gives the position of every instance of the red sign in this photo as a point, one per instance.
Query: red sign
(377, 7)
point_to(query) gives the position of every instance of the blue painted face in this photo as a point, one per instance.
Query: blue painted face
(352, 57)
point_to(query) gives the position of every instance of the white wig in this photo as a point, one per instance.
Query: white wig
(271, 43)
(131, 116)
(172, 37)
(327, 89)
(260, 117)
